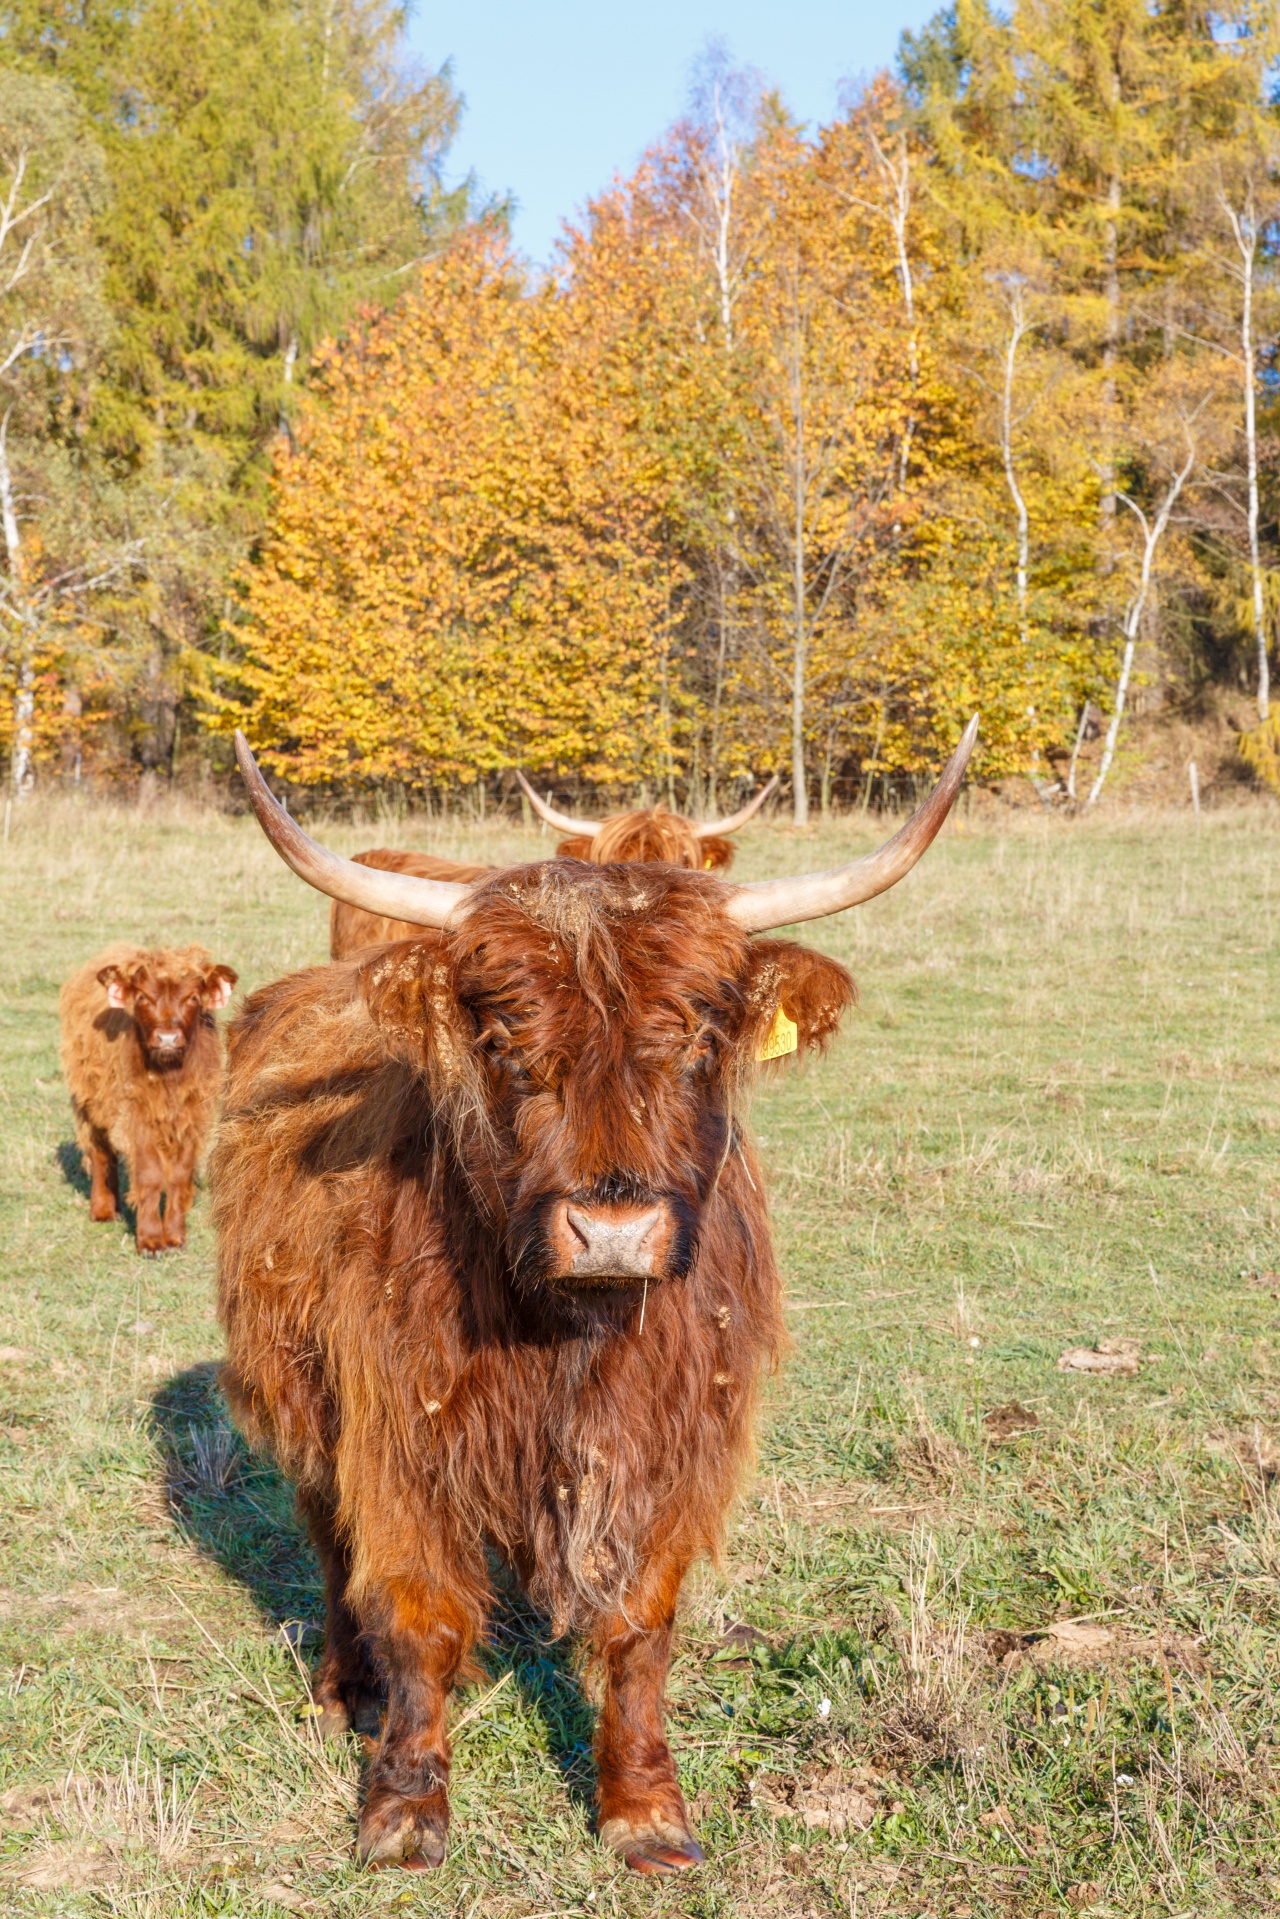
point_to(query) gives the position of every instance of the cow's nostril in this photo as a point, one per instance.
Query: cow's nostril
(579, 1224)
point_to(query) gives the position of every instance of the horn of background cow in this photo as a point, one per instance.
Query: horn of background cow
(563, 822)
(759, 905)
(400, 896)
(709, 829)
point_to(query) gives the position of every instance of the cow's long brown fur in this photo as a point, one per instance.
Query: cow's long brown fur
(157, 1118)
(653, 835)
(390, 1127)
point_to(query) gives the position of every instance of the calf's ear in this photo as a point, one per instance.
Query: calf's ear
(795, 998)
(119, 989)
(215, 987)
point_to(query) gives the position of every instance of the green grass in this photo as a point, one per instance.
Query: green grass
(1054, 1120)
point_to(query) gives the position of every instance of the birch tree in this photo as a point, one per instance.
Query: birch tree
(50, 188)
(1153, 524)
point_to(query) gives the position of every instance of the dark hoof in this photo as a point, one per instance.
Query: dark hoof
(329, 1717)
(659, 1855)
(404, 1832)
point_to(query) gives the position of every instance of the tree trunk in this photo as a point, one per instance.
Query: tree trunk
(799, 593)
(1152, 533)
(1017, 329)
(1244, 227)
(21, 768)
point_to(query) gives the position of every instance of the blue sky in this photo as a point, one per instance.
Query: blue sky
(562, 94)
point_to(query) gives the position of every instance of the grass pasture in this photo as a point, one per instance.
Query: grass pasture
(988, 1638)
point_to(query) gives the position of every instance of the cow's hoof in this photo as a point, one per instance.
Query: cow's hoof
(329, 1717)
(652, 1844)
(103, 1215)
(659, 1855)
(404, 1832)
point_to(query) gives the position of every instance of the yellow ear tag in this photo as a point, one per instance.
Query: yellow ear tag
(782, 1037)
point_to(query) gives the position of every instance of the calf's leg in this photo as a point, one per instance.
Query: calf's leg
(346, 1690)
(422, 1636)
(147, 1183)
(641, 1810)
(179, 1187)
(103, 1168)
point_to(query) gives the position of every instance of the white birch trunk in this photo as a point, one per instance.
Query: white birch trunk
(22, 773)
(1152, 534)
(1245, 230)
(1017, 332)
(800, 609)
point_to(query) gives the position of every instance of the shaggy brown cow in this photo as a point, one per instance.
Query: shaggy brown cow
(141, 1057)
(496, 1273)
(653, 835)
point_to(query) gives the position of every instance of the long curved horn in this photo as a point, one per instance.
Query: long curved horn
(759, 905)
(703, 829)
(563, 822)
(397, 896)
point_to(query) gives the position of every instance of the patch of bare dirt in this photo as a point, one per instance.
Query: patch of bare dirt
(1082, 1643)
(25, 1806)
(1255, 1450)
(62, 1868)
(1009, 1422)
(823, 1799)
(1111, 1358)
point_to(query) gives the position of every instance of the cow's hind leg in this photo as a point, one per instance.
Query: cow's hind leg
(346, 1691)
(423, 1637)
(641, 1809)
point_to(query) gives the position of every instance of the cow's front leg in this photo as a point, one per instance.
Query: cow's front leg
(147, 1189)
(422, 1638)
(179, 1190)
(641, 1809)
(103, 1169)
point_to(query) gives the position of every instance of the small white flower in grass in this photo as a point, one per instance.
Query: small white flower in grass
(974, 1340)
(824, 1709)
(1124, 1779)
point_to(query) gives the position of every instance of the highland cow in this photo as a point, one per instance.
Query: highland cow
(655, 834)
(496, 1275)
(142, 1060)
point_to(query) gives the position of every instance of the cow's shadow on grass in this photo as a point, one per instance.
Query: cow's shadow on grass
(71, 1166)
(238, 1511)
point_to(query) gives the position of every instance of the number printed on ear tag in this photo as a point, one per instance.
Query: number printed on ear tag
(782, 1037)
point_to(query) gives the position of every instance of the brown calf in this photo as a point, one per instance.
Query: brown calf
(141, 1057)
(496, 1274)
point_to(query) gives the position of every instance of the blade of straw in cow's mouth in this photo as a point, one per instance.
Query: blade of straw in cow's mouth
(401, 896)
(759, 905)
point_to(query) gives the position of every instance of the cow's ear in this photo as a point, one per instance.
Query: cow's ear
(215, 987)
(795, 998)
(408, 990)
(119, 989)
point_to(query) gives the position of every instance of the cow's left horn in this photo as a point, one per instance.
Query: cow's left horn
(704, 829)
(398, 896)
(759, 905)
(563, 822)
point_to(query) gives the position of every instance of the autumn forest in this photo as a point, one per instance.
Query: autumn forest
(811, 441)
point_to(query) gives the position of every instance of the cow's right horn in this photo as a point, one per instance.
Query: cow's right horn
(563, 822)
(760, 905)
(398, 896)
